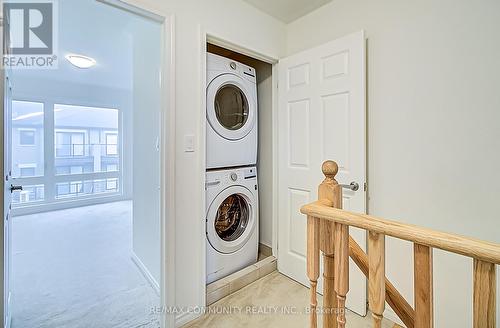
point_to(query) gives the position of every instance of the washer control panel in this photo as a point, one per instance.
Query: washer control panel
(222, 179)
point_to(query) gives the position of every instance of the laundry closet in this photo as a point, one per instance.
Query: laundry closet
(239, 170)
(322, 115)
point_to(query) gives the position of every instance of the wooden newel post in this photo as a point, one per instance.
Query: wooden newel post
(334, 240)
(330, 194)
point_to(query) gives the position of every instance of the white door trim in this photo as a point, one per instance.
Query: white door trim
(209, 36)
(167, 150)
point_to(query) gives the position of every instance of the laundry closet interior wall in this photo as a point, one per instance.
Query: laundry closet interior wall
(264, 72)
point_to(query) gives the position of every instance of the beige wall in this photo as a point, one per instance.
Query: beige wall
(433, 124)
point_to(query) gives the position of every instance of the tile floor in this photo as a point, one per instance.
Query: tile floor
(273, 301)
(238, 280)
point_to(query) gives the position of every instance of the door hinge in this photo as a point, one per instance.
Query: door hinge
(365, 186)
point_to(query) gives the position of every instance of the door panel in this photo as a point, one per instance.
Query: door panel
(322, 116)
(7, 181)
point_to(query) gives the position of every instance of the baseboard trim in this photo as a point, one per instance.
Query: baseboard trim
(226, 286)
(145, 272)
(184, 318)
(265, 250)
(8, 321)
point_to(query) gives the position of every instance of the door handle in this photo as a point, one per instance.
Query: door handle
(15, 188)
(354, 186)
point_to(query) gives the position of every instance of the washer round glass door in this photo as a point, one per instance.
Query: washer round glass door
(230, 220)
(230, 107)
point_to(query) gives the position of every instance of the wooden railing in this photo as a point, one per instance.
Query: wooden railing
(328, 232)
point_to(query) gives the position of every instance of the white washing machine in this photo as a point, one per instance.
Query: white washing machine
(231, 113)
(232, 221)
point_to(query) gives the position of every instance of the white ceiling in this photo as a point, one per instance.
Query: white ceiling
(96, 30)
(287, 10)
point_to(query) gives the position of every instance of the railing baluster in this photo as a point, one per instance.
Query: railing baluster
(313, 264)
(341, 270)
(484, 294)
(393, 297)
(423, 290)
(329, 193)
(376, 276)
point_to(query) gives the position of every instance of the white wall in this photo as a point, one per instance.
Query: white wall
(146, 133)
(239, 23)
(433, 124)
(266, 180)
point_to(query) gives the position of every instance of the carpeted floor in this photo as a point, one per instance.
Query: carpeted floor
(73, 269)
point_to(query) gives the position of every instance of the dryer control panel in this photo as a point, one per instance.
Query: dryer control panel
(226, 65)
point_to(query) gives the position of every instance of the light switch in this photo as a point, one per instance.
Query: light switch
(189, 143)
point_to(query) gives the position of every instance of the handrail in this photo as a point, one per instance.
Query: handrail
(475, 248)
(328, 237)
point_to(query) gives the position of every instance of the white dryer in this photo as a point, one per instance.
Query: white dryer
(231, 113)
(232, 222)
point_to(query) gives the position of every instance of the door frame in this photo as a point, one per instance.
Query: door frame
(208, 36)
(6, 324)
(167, 151)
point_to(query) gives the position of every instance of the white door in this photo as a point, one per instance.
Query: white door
(6, 180)
(7, 192)
(321, 116)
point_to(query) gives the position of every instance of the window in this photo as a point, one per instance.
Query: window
(76, 170)
(86, 137)
(112, 184)
(27, 130)
(70, 144)
(27, 170)
(26, 137)
(111, 167)
(111, 144)
(62, 170)
(85, 151)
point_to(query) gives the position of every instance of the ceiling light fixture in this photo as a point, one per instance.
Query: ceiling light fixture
(81, 61)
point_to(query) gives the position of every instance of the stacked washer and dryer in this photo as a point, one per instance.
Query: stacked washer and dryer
(232, 213)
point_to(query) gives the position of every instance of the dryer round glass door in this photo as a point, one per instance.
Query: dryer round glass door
(231, 107)
(230, 220)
